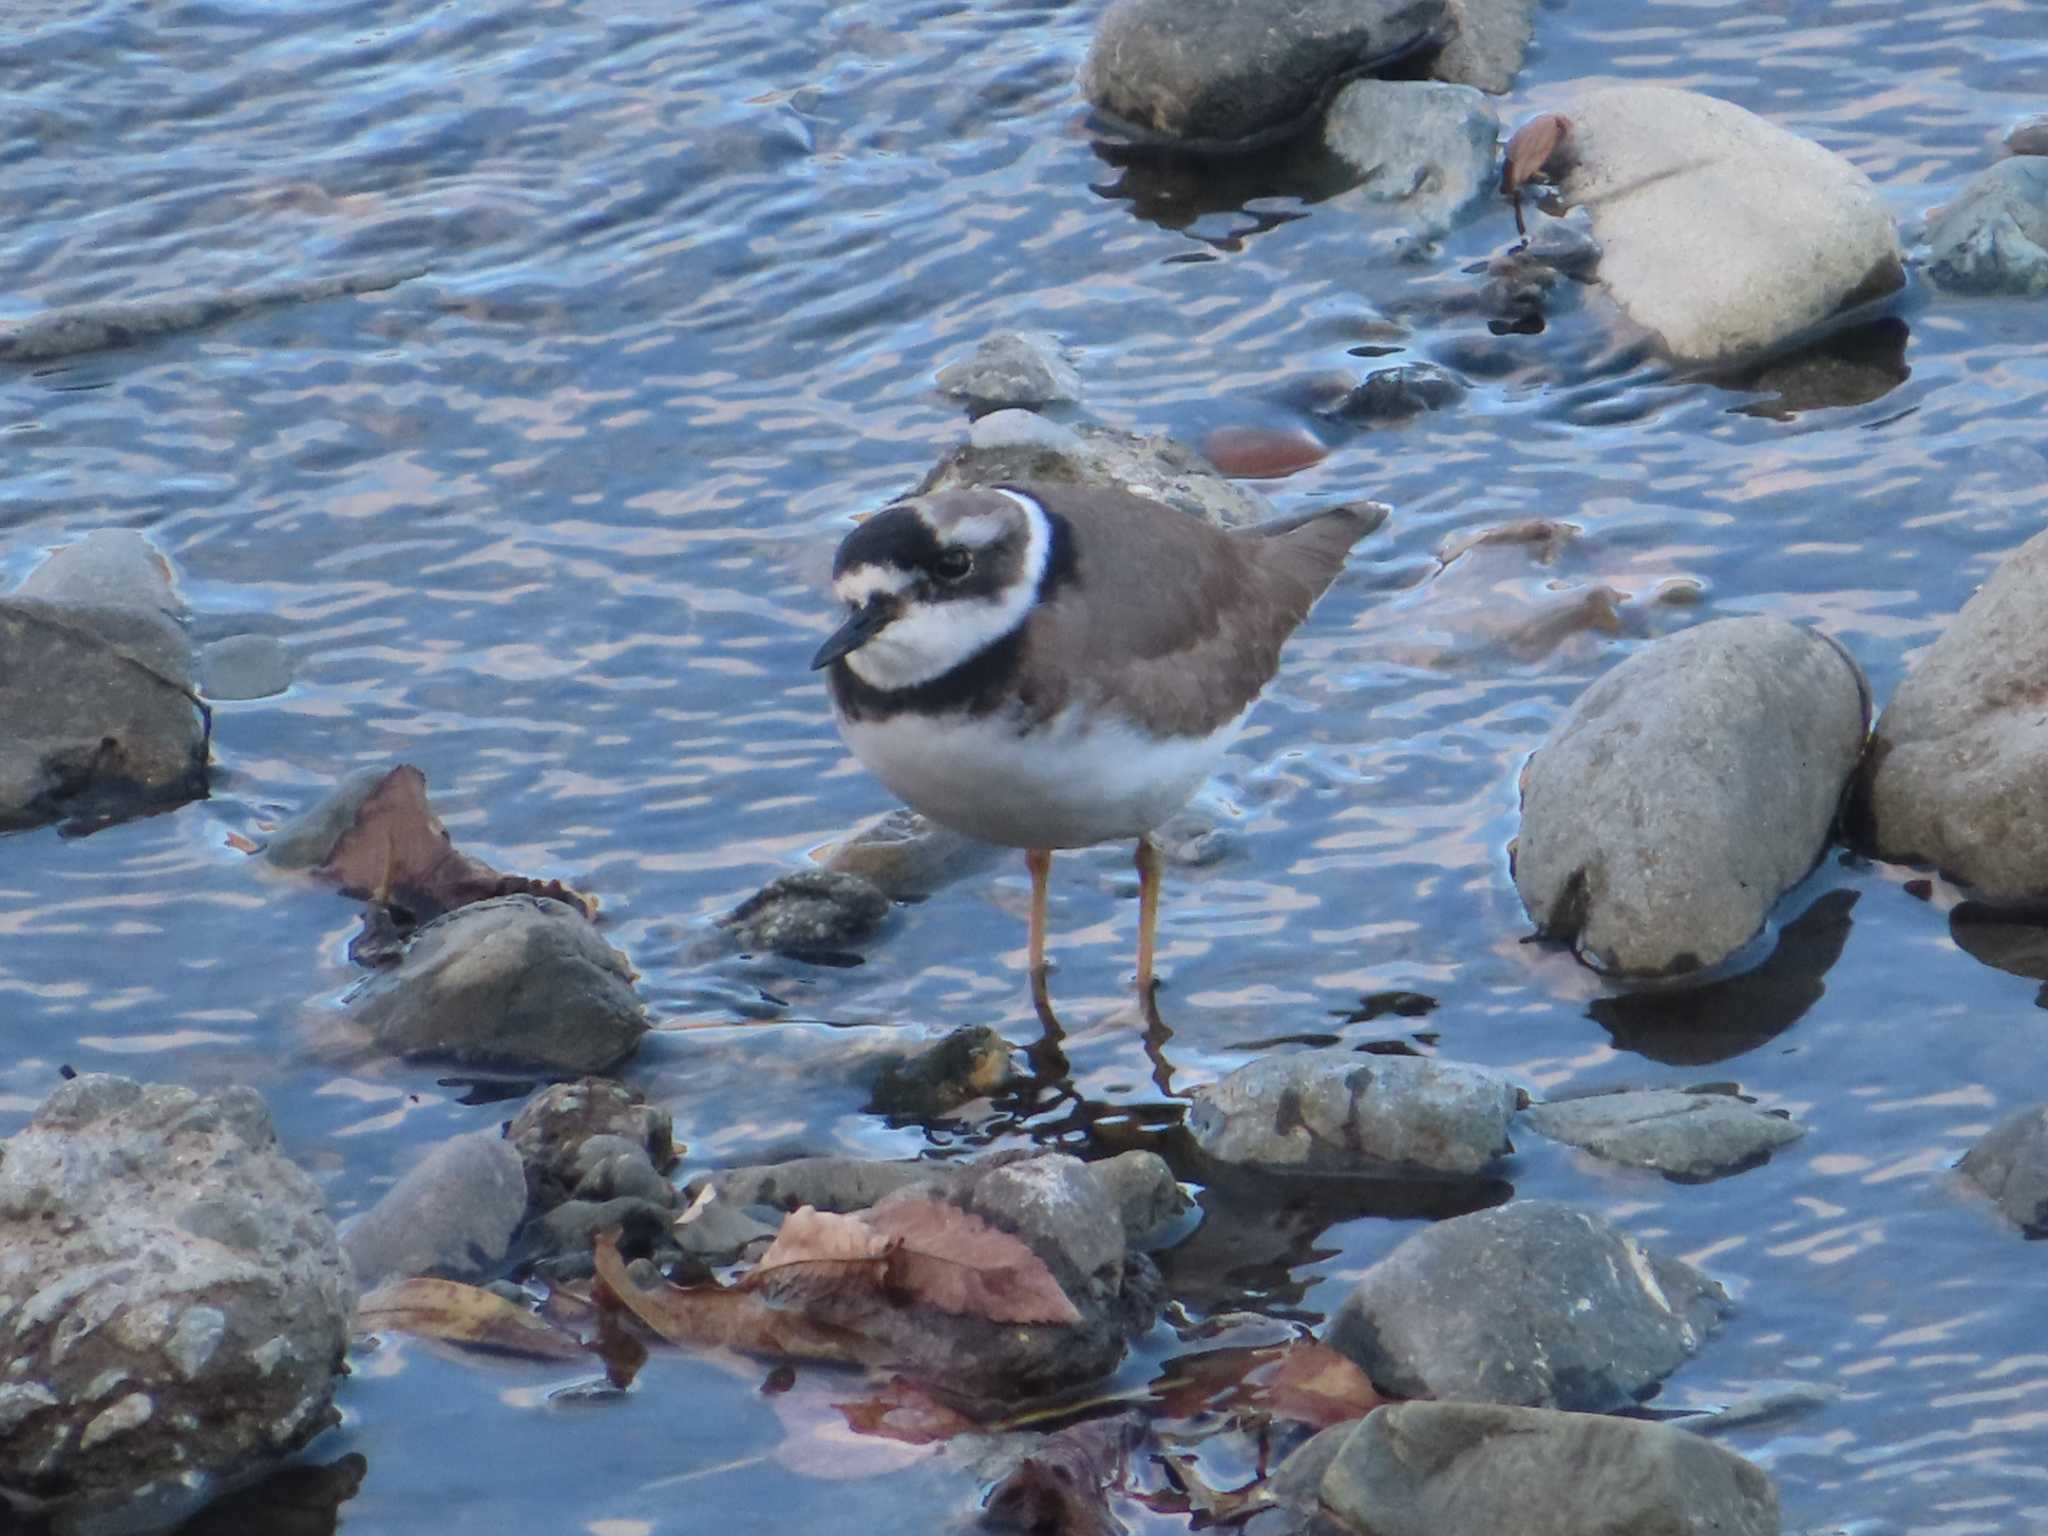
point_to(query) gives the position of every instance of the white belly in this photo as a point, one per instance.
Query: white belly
(1065, 785)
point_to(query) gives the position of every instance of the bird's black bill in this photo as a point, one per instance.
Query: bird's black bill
(861, 626)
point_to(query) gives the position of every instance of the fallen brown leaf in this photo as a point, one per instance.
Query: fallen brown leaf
(463, 1314)
(951, 1259)
(902, 1410)
(819, 1256)
(1313, 1384)
(1063, 1487)
(713, 1316)
(1531, 150)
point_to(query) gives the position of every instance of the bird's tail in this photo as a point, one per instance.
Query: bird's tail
(1309, 551)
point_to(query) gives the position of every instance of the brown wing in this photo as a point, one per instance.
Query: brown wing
(1177, 623)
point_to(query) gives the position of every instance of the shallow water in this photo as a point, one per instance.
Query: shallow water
(550, 520)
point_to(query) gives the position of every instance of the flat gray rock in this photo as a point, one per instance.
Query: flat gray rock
(1423, 148)
(1690, 1136)
(1343, 1111)
(307, 840)
(1994, 237)
(1449, 1469)
(1723, 234)
(515, 982)
(1685, 791)
(1235, 73)
(174, 1302)
(1957, 771)
(2010, 1164)
(1012, 368)
(1534, 1304)
(452, 1214)
(1488, 42)
(245, 667)
(108, 568)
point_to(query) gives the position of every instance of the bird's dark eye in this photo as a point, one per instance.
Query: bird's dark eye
(952, 564)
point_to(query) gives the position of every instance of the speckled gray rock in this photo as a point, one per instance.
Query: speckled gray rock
(970, 1063)
(1489, 40)
(1685, 791)
(1534, 1304)
(553, 1128)
(1957, 772)
(516, 982)
(452, 1214)
(1148, 1198)
(173, 1298)
(1339, 1110)
(2010, 1164)
(905, 856)
(812, 912)
(245, 667)
(1690, 1136)
(108, 568)
(1159, 467)
(308, 838)
(1022, 368)
(1432, 1469)
(1994, 237)
(1425, 148)
(1723, 234)
(1399, 392)
(1238, 72)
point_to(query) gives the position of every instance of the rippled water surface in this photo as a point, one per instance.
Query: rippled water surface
(550, 519)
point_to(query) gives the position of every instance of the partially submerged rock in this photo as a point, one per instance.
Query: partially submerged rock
(1337, 1110)
(1398, 393)
(970, 1063)
(1723, 234)
(245, 667)
(1685, 791)
(452, 1215)
(2010, 1164)
(1424, 148)
(1994, 237)
(1689, 1136)
(1012, 368)
(906, 856)
(1532, 1304)
(107, 568)
(1237, 73)
(814, 912)
(516, 982)
(553, 1127)
(2029, 137)
(176, 1299)
(1957, 771)
(1432, 1469)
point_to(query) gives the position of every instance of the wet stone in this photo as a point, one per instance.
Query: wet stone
(1994, 237)
(176, 1296)
(1012, 368)
(452, 1214)
(1690, 1136)
(1427, 1469)
(553, 1128)
(610, 1166)
(1489, 40)
(515, 982)
(968, 1064)
(1399, 393)
(1338, 1110)
(718, 1232)
(906, 856)
(245, 667)
(812, 912)
(2010, 1164)
(2029, 138)
(572, 1226)
(307, 840)
(1532, 1304)
(1421, 147)
(1149, 1199)
(108, 568)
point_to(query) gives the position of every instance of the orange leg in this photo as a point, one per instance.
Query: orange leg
(1039, 862)
(1150, 865)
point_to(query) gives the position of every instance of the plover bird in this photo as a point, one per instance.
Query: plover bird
(1050, 666)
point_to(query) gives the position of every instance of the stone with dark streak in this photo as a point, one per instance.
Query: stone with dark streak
(2010, 1164)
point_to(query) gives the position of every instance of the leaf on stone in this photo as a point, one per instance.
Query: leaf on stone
(951, 1259)
(1530, 148)
(715, 1317)
(819, 1257)
(1063, 1487)
(903, 1410)
(396, 852)
(1313, 1384)
(463, 1314)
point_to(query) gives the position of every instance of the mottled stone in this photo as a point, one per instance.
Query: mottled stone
(307, 840)
(1689, 1136)
(906, 856)
(1423, 148)
(812, 912)
(1994, 237)
(1489, 40)
(2010, 1164)
(968, 1064)
(1012, 368)
(553, 1128)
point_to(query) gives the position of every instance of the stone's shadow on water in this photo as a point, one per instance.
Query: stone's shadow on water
(1692, 1026)
(298, 1501)
(1853, 366)
(1175, 190)
(2013, 939)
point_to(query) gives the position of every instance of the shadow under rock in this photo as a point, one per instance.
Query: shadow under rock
(2013, 939)
(1853, 366)
(1690, 1026)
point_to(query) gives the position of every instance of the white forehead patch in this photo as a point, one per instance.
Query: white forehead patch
(864, 581)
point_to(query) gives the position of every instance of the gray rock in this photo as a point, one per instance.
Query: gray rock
(1958, 766)
(1994, 237)
(1343, 1111)
(452, 1214)
(108, 568)
(1690, 1136)
(518, 982)
(1425, 148)
(1400, 392)
(1723, 234)
(176, 1299)
(1533, 1304)
(840, 1184)
(306, 841)
(716, 1232)
(571, 1226)
(1489, 40)
(245, 667)
(553, 1128)
(1427, 1469)
(970, 1063)
(905, 856)
(2010, 1164)
(1017, 428)
(102, 720)
(1148, 1198)
(1685, 791)
(1024, 368)
(2029, 138)
(1158, 467)
(1236, 73)
(814, 911)
(611, 1167)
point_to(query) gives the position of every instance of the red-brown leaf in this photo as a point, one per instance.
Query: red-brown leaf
(1530, 149)
(1262, 453)
(819, 1257)
(951, 1259)
(462, 1314)
(1063, 1487)
(1315, 1385)
(904, 1411)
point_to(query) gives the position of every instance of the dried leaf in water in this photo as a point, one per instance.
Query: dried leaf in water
(1063, 1487)
(1530, 148)
(463, 1314)
(714, 1317)
(902, 1410)
(618, 1344)
(1315, 1385)
(820, 1257)
(951, 1259)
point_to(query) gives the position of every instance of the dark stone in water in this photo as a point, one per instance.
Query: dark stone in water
(2010, 1165)
(554, 1127)
(968, 1064)
(1401, 392)
(814, 912)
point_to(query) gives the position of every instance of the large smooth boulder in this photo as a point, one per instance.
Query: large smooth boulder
(1238, 72)
(1957, 773)
(1340, 1111)
(1535, 1304)
(2010, 1164)
(1723, 234)
(174, 1302)
(1994, 237)
(1452, 1469)
(1685, 791)
(1424, 148)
